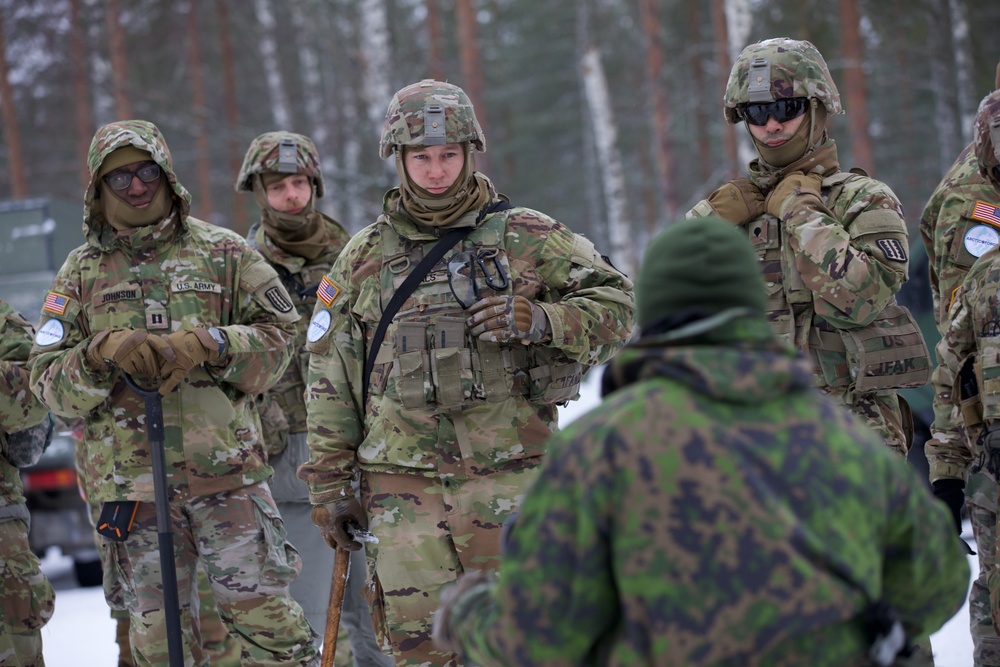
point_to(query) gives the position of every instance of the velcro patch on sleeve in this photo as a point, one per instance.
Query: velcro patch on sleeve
(328, 291)
(55, 303)
(892, 249)
(987, 213)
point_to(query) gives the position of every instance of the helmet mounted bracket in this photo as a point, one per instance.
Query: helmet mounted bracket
(434, 125)
(287, 162)
(759, 81)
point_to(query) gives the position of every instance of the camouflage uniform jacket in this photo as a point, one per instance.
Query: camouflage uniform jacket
(283, 408)
(833, 271)
(972, 334)
(18, 407)
(956, 229)
(588, 302)
(713, 510)
(178, 273)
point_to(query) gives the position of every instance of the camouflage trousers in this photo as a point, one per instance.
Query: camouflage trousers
(981, 502)
(26, 598)
(356, 642)
(239, 539)
(430, 530)
(881, 412)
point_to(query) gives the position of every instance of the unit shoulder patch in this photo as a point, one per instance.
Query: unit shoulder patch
(892, 249)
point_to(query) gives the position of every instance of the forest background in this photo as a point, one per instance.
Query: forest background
(606, 114)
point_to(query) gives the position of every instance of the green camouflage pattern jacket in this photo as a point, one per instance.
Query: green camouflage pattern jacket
(588, 302)
(19, 409)
(283, 407)
(959, 224)
(179, 273)
(713, 510)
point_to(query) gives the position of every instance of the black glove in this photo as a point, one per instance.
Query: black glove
(952, 493)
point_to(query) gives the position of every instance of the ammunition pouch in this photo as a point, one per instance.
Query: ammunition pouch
(888, 353)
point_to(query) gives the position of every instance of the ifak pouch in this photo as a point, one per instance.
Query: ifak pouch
(116, 519)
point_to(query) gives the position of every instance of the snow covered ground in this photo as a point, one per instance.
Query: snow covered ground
(81, 633)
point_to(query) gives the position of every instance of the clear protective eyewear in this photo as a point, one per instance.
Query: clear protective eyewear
(121, 180)
(783, 110)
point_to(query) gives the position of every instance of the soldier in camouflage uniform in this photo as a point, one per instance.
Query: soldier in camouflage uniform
(832, 244)
(449, 428)
(960, 226)
(282, 170)
(178, 303)
(25, 431)
(714, 509)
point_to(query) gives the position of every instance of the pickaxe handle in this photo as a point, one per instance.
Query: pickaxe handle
(341, 561)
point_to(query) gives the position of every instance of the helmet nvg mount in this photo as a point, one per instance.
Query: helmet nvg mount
(280, 152)
(430, 113)
(777, 69)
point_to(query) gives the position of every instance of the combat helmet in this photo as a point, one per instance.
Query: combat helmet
(987, 136)
(780, 68)
(430, 113)
(280, 152)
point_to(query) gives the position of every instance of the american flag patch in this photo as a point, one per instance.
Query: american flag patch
(986, 213)
(55, 303)
(327, 291)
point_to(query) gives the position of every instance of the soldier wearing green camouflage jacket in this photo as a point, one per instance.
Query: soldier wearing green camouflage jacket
(960, 227)
(448, 429)
(192, 309)
(282, 170)
(832, 244)
(28, 598)
(714, 509)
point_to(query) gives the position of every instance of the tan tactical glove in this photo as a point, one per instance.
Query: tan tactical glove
(796, 187)
(738, 201)
(333, 520)
(443, 632)
(132, 350)
(508, 319)
(191, 347)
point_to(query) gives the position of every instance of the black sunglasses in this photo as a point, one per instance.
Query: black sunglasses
(121, 180)
(783, 110)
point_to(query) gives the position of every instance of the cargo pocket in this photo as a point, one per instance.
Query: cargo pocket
(376, 607)
(118, 589)
(280, 562)
(28, 598)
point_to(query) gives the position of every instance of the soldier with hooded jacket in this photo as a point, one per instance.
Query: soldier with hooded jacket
(25, 431)
(832, 244)
(177, 303)
(961, 229)
(282, 170)
(449, 426)
(714, 509)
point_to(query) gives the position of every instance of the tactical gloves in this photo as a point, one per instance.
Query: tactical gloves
(508, 319)
(333, 520)
(796, 187)
(190, 348)
(738, 201)
(453, 598)
(134, 351)
(952, 493)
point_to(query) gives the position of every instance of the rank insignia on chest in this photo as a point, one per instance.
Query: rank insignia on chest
(327, 291)
(55, 303)
(986, 213)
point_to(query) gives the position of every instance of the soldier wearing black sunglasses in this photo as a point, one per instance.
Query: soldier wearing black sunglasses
(832, 244)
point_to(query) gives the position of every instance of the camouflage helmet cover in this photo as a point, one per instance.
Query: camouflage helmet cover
(795, 69)
(423, 104)
(280, 152)
(987, 133)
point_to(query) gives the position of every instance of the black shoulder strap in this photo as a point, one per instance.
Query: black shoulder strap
(447, 242)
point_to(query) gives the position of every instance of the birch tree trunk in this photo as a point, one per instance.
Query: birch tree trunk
(240, 223)
(613, 178)
(465, 12)
(15, 158)
(950, 136)
(203, 202)
(739, 21)
(855, 97)
(81, 102)
(655, 84)
(962, 48)
(119, 69)
(374, 37)
(268, 46)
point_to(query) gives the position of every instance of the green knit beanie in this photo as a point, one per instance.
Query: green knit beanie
(703, 264)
